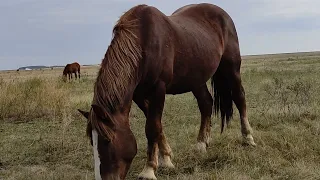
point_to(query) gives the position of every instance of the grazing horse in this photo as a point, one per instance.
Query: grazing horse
(152, 55)
(71, 68)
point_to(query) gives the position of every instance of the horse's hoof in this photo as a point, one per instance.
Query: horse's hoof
(165, 162)
(201, 147)
(248, 140)
(141, 177)
(147, 178)
(147, 174)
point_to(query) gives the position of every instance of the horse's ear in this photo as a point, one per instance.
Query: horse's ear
(84, 113)
(101, 113)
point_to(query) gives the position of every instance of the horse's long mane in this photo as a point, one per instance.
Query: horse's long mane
(118, 68)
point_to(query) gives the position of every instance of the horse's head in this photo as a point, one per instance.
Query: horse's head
(114, 145)
(64, 77)
(64, 74)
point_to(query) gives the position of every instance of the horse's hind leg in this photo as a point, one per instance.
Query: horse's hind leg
(205, 103)
(238, 96)
(229, 68)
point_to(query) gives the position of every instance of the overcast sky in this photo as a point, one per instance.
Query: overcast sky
(57, 32)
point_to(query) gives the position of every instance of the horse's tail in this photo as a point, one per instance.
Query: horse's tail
(221, 90)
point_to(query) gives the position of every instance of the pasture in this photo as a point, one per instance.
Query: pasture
(42, 135)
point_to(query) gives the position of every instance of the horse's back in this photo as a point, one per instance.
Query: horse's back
(74, 66)
(220, 26)
(77, 65)
(212, 20)
(200, 35)
(184, 49)
(204, 17)
(201, 8)
(204, 32)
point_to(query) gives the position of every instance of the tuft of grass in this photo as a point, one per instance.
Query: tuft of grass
(33, 98)
(288, 96)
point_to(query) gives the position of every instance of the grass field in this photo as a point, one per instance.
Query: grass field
(42, 136)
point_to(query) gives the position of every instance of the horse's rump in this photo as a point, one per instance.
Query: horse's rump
(185, 49)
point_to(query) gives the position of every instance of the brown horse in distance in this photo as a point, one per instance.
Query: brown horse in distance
(152, 55)
(71, 68)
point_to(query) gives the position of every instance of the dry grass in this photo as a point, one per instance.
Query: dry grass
(42, 136)
(33, 98)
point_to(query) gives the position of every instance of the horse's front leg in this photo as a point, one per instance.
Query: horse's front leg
(153, 130)
(165, 152)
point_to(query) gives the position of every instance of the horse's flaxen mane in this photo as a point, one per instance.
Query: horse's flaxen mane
(118, 68)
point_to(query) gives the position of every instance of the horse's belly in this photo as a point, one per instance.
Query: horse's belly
(179, 88)
(183, 82)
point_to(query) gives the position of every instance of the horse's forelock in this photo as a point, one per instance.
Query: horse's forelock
(102, 129)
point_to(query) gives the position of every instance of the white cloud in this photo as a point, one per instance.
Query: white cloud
(287, 8)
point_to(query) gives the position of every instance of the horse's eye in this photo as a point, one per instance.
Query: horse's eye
(108, 123)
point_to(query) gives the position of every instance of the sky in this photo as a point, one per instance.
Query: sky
(57, 32)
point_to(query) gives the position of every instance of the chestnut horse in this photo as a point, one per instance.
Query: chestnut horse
(152, 55)
(71, 68)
